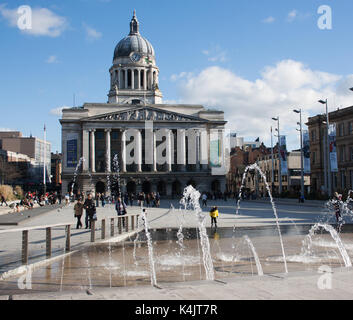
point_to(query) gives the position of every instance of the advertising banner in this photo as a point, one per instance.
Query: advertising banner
(306, 151)
(283, 153)
(72, 150)
(332, 147)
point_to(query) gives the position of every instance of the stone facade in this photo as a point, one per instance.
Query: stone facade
(134, 124)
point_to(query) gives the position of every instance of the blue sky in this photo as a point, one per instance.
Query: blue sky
(253, 59)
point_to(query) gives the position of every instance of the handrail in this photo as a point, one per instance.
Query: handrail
(60, 224)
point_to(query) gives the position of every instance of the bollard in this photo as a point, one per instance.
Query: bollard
(120, 225)
(48, 242)
(112, 227)
(68, 238)
(103, 229)
(126, 224)
(25, 247)
(132, 222)
(93, 231)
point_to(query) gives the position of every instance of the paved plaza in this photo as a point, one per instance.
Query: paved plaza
(252, 214)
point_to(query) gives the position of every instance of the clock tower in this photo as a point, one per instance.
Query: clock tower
(134, 73)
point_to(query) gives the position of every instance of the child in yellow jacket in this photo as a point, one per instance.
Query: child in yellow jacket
(214, 215)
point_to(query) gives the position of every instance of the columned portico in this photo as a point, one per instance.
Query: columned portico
(93, 151)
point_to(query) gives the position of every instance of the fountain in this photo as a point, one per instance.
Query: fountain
(307, 242)
(256, 167)
(256, 257)
(192, 196)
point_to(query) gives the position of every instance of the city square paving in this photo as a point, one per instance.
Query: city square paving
(297, 285)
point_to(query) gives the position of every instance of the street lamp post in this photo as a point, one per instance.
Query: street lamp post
(279, 156)
(301, 154)
(329, 189)
(273, 167)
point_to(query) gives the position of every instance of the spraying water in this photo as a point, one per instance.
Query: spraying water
(256, 257)
(150, 249)
(192, 196)
(308, 241)
(263, 176)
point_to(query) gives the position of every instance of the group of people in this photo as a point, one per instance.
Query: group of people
(30, 199)
(89, 205)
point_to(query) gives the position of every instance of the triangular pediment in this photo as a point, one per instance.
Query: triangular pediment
(145, 113)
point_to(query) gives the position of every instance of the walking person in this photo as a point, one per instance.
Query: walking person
(90, 211)
(98, 195)
(78, 208)
(3, 200)
(103, 199)
(204, 200)
(214, 215)
(120, 208)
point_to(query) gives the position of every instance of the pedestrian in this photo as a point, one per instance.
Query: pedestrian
(90, 211)
(97, 199)
(3, 200)
(120, 208)
(78, 208)
(67, 199)
(214, 215)
(131, 199)
(103, 199)
(204, 200)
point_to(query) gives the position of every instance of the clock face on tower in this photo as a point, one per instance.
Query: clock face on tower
(135, 57)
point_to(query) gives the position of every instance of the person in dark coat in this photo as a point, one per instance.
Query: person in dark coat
(90, 208)
(120, 208)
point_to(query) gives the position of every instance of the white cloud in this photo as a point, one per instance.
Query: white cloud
(292, 15)
(52, 59)
(269, 20)
(58, 111)
(91, 34)
(44, 21)
(215, 54)
(250, 105)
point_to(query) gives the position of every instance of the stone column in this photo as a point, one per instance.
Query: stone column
(169, 150)
(144, 79)
(93, 151)
(138, 150)
(125, 73)
(154, 152)
(132, 78)
(107, 150)
(204, 146)
(123, 151)
(118, 74)
(181, 154)
(85, 150)
(138, 79)
(198, 167)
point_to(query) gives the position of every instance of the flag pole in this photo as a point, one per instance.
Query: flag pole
(45, 160)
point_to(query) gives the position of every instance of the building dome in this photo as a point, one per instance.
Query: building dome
(134, 42)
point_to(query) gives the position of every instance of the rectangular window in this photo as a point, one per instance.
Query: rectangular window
(342, 154)
(350, 128)
(313, 157)
(343, 180)
(313, 135)
(341, 129)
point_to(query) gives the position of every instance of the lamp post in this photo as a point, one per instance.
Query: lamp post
(301, 154)
(45, 161)
(329, 191)
(273, 167)
(279, 156)
(351, 89)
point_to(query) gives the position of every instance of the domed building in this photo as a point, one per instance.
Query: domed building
(134, 74)
(135, 138)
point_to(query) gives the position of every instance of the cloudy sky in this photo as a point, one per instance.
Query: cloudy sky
(253, 59)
